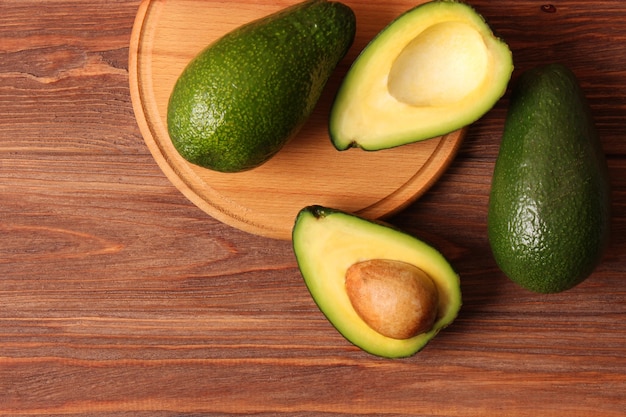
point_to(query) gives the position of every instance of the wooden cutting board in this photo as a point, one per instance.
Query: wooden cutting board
(167, 34)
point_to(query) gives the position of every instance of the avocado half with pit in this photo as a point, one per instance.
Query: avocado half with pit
(329, 244)
(435, 69)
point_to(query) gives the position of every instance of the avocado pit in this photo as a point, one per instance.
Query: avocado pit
(395, 298)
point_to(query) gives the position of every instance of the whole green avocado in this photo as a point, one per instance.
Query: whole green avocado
(548, 217)
(241, 99)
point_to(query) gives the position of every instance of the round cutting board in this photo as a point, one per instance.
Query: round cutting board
(167, 34)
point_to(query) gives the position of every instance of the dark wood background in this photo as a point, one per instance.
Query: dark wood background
(119, 297)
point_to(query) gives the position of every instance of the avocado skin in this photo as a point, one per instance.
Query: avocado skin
(548, 218)
(242, 98)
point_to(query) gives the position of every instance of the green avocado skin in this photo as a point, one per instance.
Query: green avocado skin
(548, 217)
(242, 98)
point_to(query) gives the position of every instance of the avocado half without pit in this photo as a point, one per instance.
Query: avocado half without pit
(385, 291)
(435, 69)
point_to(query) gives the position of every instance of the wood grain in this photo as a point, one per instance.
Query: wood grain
(119, 297)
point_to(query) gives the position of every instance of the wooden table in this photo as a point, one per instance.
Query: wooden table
(119, 297)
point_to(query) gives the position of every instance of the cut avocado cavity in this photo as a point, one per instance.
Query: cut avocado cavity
(435, 69)
(328, 243)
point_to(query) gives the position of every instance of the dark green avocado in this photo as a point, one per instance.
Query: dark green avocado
(242, 98)
(548, 220)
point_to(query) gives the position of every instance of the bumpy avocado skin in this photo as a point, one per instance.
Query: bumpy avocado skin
(326, 241)
(242, 98)
(548, 219)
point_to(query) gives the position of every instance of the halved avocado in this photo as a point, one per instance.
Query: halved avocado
(327, 242)
(435, 69)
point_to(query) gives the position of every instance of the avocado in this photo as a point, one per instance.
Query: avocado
(435, 69)
(548, 217)
(244, 96)
(328, 243)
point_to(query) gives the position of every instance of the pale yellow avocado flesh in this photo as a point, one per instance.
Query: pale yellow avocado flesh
(426, 72)
(435, 69)
(327, 242)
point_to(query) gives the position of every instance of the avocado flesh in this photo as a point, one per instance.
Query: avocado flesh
(433, 70)
(327, 242)
(548, 217)
(241, 99)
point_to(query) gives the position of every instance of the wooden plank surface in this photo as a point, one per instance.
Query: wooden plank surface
(119, 297)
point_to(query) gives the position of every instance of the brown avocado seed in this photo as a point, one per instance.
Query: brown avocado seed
(394, 298)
